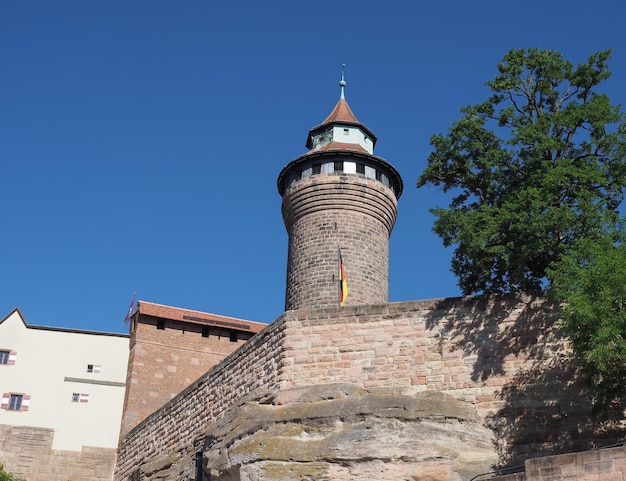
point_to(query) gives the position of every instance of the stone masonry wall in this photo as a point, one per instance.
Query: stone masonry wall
(165, 361)
(460, 347)
(179, 422)
(500, 355)
(599, 464)
(326, 211)
(27, 453)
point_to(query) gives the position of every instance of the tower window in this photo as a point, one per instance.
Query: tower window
(317, 168)
(339, 166)
(161, 324)
(233, 336)
(379, 175)
(346, 131)
(360, 169)
(205, 331)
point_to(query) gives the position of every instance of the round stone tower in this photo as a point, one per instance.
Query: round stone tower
(339, 207)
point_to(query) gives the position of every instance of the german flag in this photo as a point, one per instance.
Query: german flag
(343, 284)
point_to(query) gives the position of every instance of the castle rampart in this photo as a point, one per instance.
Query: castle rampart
(500, 356)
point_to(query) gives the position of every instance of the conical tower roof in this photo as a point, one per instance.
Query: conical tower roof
(341, 115)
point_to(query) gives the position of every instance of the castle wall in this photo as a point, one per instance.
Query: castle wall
(500, 355)
(460, 347)
(594, 465)
(27, 453)
(165, 361)
(256, 364)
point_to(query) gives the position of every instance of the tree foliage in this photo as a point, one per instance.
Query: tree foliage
(591, 281)
(5, 476)
(536, 167)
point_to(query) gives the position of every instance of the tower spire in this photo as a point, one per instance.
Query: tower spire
(342, 82)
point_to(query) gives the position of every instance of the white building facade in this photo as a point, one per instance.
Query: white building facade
(62, 393)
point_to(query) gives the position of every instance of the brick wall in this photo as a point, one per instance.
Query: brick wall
(257, 364)
(27, 453)
(501, 355)
(163, 362)
(323, 212)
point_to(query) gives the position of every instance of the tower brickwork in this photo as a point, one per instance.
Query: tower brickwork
(338, 196)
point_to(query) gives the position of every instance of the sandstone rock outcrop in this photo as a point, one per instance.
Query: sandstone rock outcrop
(341, 431)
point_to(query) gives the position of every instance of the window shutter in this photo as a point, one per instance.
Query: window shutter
(25, 402)
(12, 356)
(5, 400)
(84, 398)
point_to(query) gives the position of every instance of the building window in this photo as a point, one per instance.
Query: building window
(75, 397)
(161, 324)
(15, 402)
(338, 166)
(360, 169)
(7, 357)
(233, 336)
(317, 168)
(205, 331)
(346, 131)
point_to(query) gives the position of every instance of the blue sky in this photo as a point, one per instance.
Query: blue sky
(140, 141)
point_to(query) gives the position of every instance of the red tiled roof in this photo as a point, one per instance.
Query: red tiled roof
(341, 146)
(341, 113)
(197, 317)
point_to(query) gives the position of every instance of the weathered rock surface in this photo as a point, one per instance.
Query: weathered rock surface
(342, 432)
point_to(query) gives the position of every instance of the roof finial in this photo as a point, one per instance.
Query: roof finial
(342, 83)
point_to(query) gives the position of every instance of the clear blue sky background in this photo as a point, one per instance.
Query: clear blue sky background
(140, 141)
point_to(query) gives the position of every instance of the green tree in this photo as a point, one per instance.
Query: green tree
(4, 476)
(591, 281)
(536, 167)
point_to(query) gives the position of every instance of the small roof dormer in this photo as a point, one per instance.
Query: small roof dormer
(341, 130)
